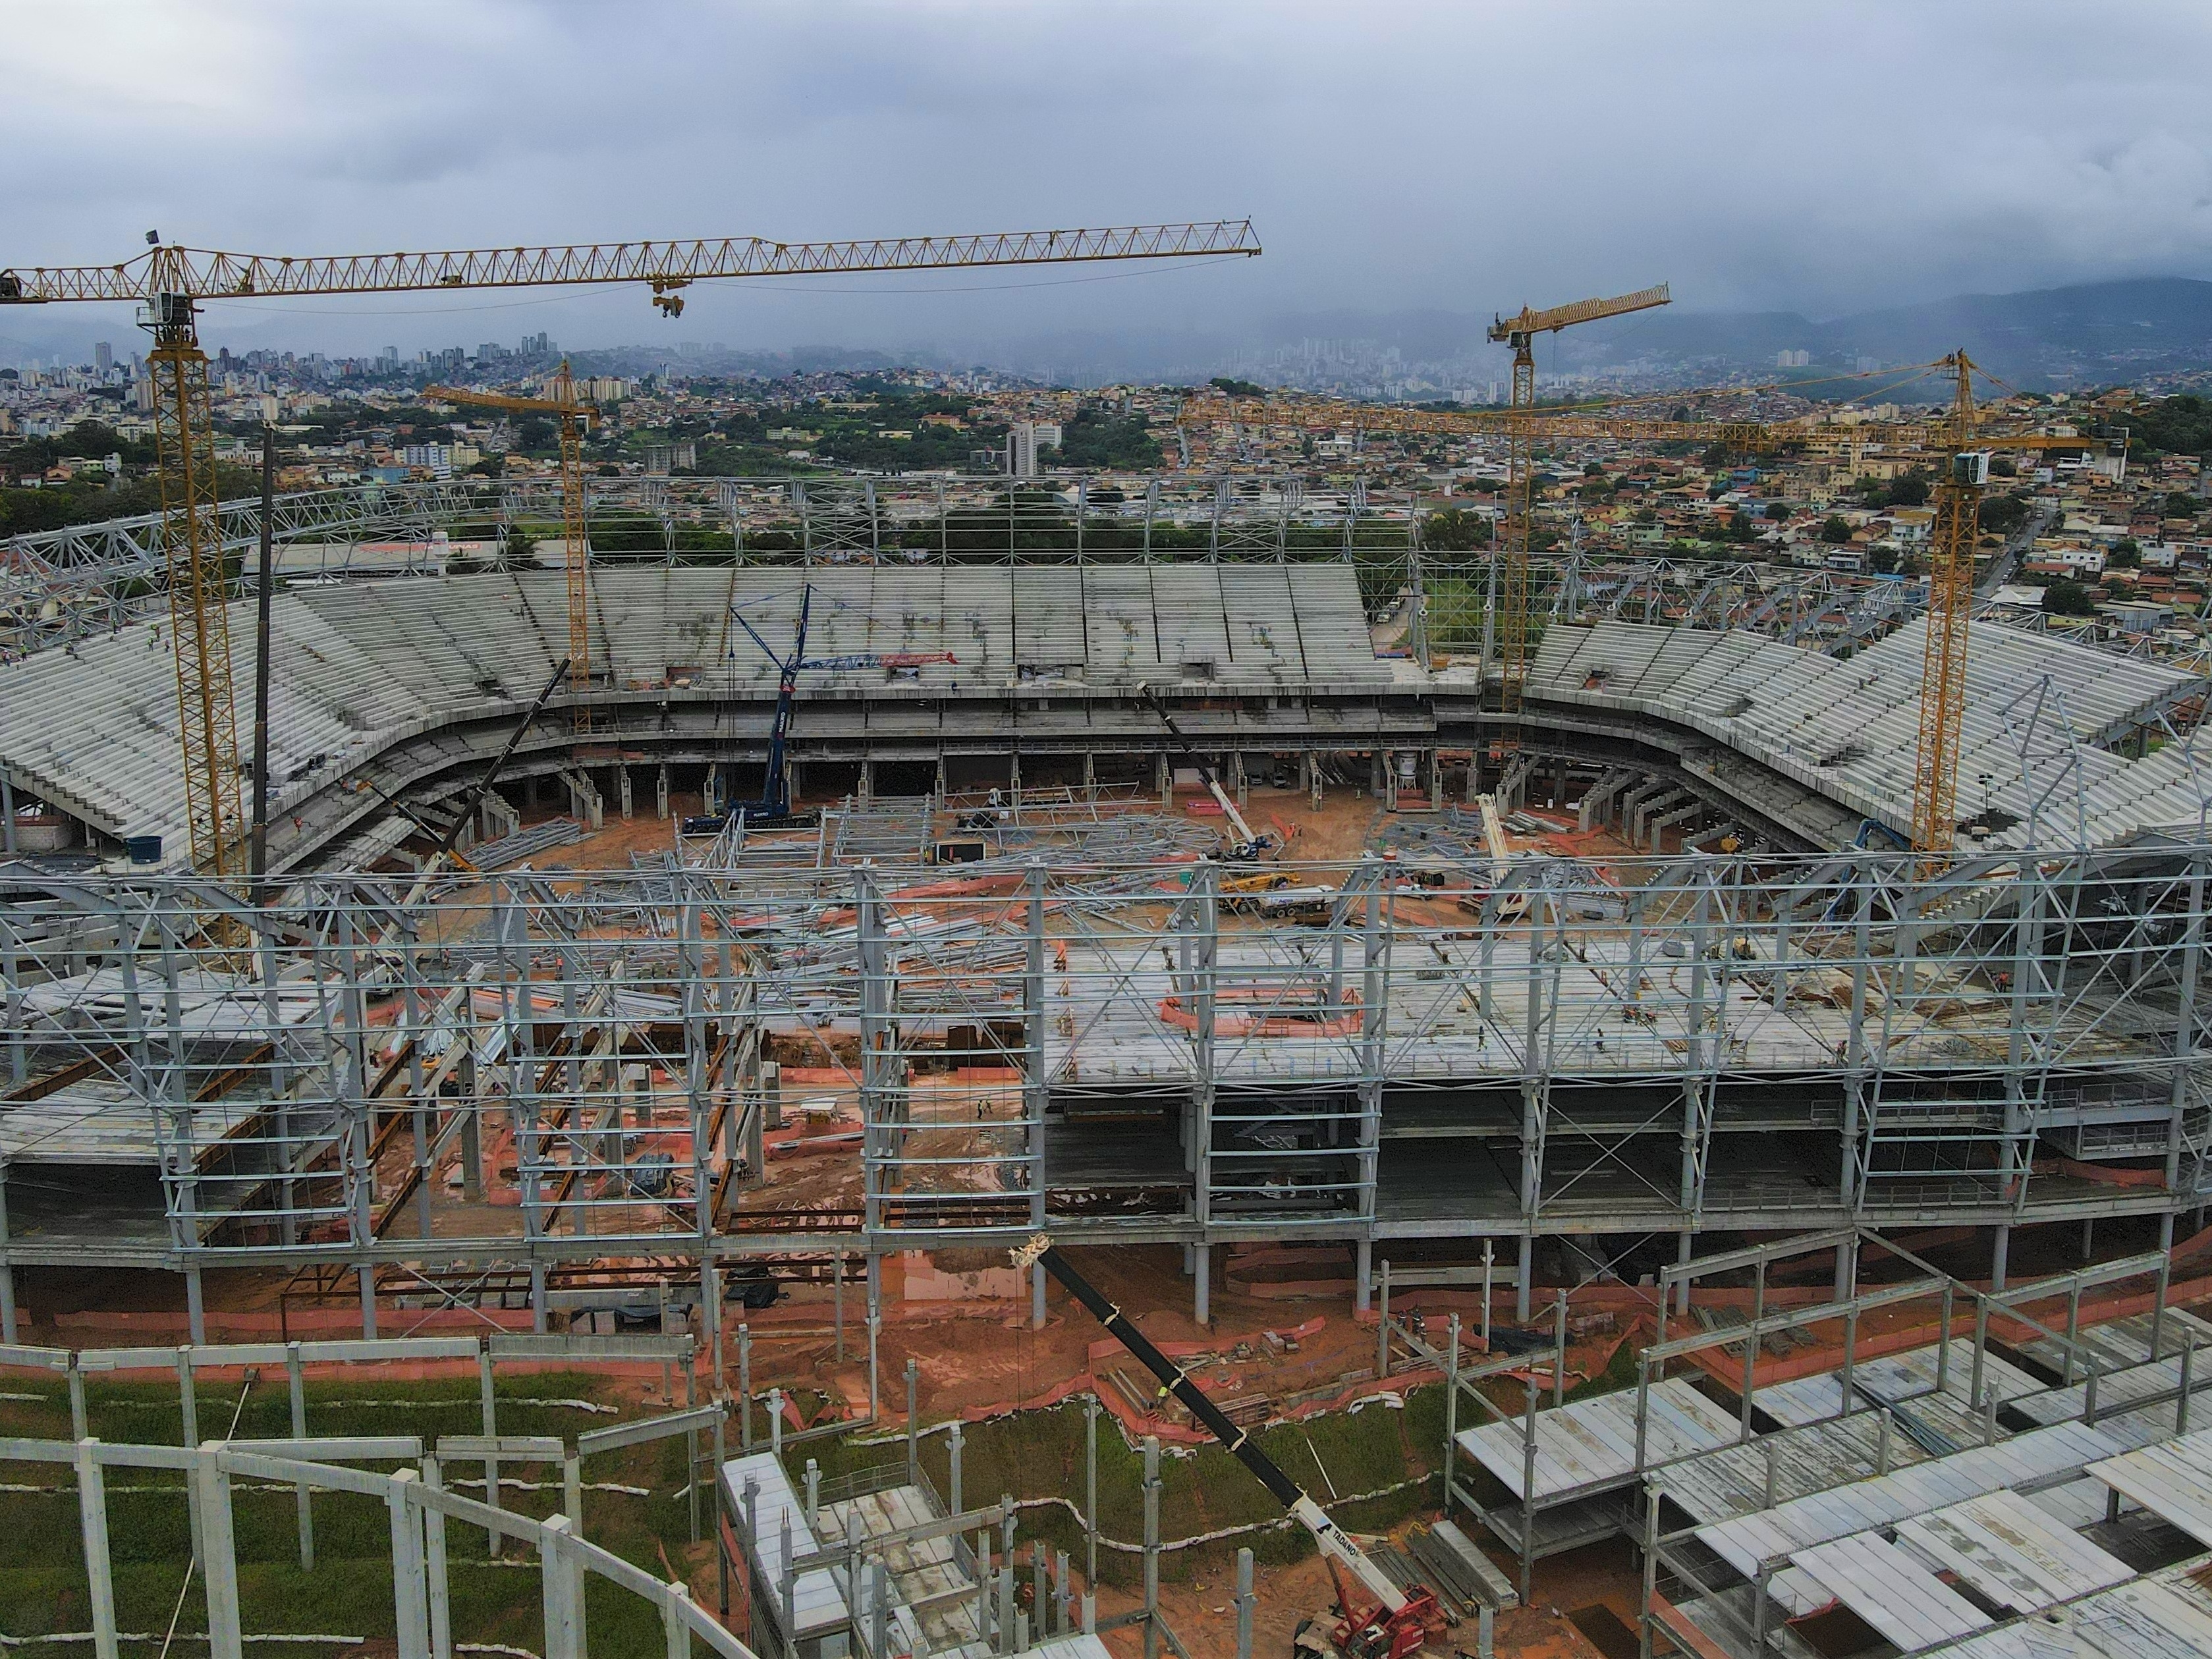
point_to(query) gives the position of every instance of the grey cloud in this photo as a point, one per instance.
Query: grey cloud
(1817, 157)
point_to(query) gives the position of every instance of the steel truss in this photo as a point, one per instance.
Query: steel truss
(529, 1070)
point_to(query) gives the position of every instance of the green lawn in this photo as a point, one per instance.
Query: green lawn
(1032, 1455)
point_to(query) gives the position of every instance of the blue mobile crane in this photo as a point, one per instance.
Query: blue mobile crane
(773, 808)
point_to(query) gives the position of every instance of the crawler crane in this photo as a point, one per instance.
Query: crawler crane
(1247, 846)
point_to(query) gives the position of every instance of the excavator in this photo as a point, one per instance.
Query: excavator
(1246, 848)
(1376, 1619)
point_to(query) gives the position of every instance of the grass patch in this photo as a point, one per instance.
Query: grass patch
(1030, 1455)
(1041, 1454)
(43, 1589)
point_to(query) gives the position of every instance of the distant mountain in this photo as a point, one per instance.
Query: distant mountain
(2091, 333)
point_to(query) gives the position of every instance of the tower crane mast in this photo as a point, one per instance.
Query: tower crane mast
(573, 415)
(168, 282)
(1511, 560)
(1960, 445)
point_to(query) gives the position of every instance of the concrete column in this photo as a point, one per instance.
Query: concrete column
(2000, 1254)
(1236, 776)
(1201, 1290)
(1521, 1305)
(710, 790)
(623, 783)
(1437, 782)
(1164, 778)
(867, 786)
(7, 814)
(1090, 770)
(661, 791)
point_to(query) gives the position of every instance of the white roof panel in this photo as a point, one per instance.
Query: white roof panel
(2011, 1553)
(2174, 1480)
(1894, 1593)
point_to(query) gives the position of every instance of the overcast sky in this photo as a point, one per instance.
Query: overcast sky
(1463, 157)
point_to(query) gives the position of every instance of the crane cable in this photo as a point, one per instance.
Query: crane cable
(193, 1562)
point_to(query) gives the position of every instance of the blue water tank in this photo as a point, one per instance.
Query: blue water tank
(143, 849)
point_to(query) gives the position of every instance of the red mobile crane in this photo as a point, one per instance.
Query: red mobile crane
(1380, 1620)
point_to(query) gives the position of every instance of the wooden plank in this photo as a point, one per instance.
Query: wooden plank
(1679, 1627)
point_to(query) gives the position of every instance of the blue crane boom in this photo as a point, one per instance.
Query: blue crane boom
(774, 802)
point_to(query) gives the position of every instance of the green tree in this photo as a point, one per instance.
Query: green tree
(1454, 530)
(1907, 490)
(1223, 384)
(2004, 514)
(2181, 425)
(2181, 505)
(2065, 598)
(1834, 529)
(2126, 555)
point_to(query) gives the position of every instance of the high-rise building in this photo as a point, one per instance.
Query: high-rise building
(103, 359)
(1024, 439)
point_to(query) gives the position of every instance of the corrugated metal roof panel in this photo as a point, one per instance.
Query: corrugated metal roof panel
(2010, 1552)
(1894, 1593)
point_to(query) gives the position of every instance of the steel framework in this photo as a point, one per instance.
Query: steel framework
(580, 1069)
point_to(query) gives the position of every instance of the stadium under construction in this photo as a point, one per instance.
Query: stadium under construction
(1651, 971)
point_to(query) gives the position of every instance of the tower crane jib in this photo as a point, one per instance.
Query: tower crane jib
(168, 281)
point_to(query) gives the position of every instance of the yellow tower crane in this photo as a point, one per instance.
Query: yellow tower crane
(1963, 448)
(1960, 444)
(573, 415)
(1521, 427)
(168, 283)
(1512, 558)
